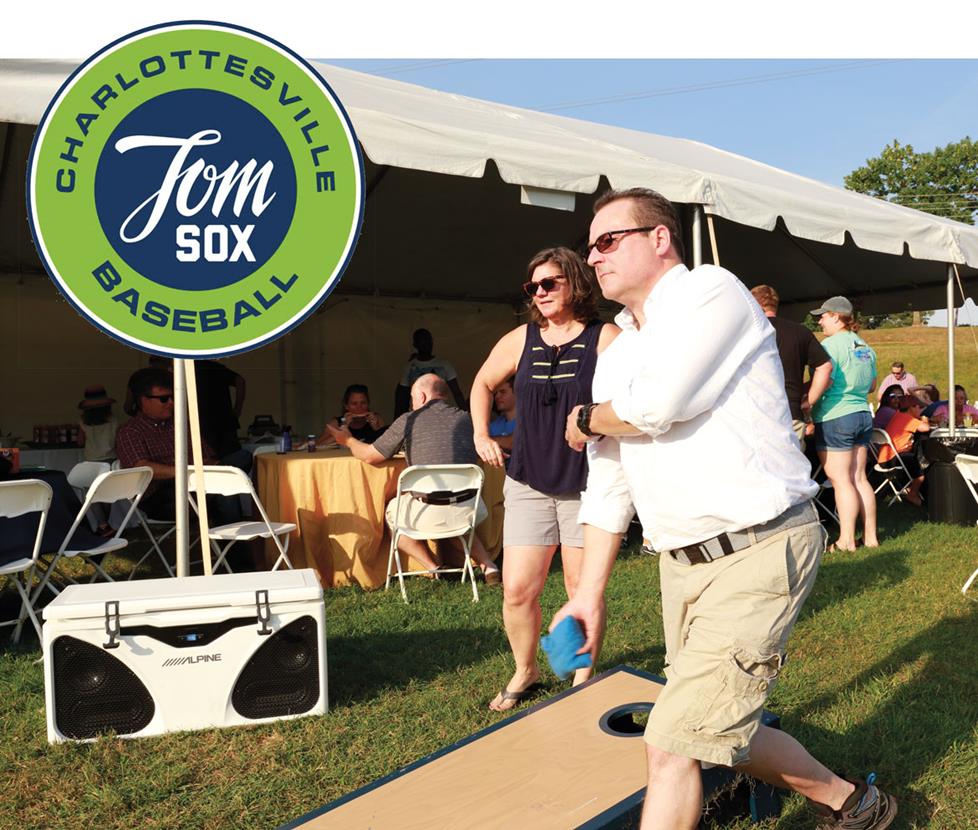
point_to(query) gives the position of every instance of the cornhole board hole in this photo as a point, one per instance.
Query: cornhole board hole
(576, 760)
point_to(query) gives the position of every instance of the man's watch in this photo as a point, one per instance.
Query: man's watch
(584, 419)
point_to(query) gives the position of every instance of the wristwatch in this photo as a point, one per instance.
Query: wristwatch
(584, 419)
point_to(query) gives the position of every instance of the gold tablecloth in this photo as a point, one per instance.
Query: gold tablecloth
(338, 504)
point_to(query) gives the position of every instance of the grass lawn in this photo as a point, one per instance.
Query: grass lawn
(924, 351)
(883, 676)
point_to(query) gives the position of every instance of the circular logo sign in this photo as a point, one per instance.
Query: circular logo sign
(195, 189)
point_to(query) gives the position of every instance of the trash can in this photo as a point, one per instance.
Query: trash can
(948, 498)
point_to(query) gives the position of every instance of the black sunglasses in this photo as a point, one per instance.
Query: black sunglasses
(548, 284)
(160, 398)
(608, 241)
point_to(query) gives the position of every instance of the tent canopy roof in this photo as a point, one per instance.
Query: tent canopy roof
(806, 238)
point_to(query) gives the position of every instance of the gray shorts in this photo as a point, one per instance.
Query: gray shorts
(535, 518)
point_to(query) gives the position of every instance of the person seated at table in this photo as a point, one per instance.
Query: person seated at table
(433, 432)
(903, 428)
(502, 426)
(98, 426)
(147, 440)
(935, 402)
(961, 409)
(888, 405)
(923, 395)
(154, 361)
(363, 424)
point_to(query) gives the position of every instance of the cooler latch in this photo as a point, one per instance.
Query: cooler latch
(264, 612)
(112, 627)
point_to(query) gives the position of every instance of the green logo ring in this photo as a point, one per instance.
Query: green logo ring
(185, 320)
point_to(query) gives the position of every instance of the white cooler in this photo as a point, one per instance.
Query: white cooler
(160, 655)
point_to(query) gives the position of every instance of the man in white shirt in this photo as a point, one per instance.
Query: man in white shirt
(702, 446)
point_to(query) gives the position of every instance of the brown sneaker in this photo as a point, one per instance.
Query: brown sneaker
(868, 808)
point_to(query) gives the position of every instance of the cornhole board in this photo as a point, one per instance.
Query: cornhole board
(576, 760)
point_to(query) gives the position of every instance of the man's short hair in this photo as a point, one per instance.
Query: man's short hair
(142, 381)
(433, 385)
(767, 298)
(650, 209)
(896, 364)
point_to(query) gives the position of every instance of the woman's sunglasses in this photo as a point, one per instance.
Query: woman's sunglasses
(548, 284)
(160, 398)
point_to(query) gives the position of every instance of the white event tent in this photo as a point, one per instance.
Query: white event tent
(460, 194)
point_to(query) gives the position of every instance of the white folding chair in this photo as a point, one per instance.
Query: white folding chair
(891, 470)
(968, 467)
(230, 481)
(440, 482)
(81, 477)
(108, 487)
(168, 526)
(16, 499)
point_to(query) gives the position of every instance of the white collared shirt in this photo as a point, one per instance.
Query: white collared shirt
(703, 382)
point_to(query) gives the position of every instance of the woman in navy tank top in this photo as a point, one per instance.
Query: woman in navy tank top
(553, 359)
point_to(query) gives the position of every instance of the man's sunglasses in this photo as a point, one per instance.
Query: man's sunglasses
(548, 284)
(160, 398)
(608, 241)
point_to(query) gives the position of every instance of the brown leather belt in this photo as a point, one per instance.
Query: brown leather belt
(443, 496)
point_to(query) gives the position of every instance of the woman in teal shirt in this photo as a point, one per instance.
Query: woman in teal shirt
(844, 422)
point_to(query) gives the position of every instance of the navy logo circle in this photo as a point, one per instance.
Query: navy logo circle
(185, 199)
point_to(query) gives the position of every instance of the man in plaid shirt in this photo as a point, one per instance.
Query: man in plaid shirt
(147, 440)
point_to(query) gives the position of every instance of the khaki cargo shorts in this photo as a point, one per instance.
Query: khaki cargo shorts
(726, 626)
(434, 518)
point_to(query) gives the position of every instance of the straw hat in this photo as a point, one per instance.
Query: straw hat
(95, 396)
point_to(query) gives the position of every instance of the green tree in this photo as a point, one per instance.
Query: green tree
(886, 321)
(943, 182)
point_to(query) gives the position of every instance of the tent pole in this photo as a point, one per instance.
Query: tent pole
(180, 466)
(282, 393)
(190, 372)
(951, 415)
(697, 235)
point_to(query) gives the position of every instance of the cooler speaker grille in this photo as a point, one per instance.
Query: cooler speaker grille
(95, 692)
(282, 677)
